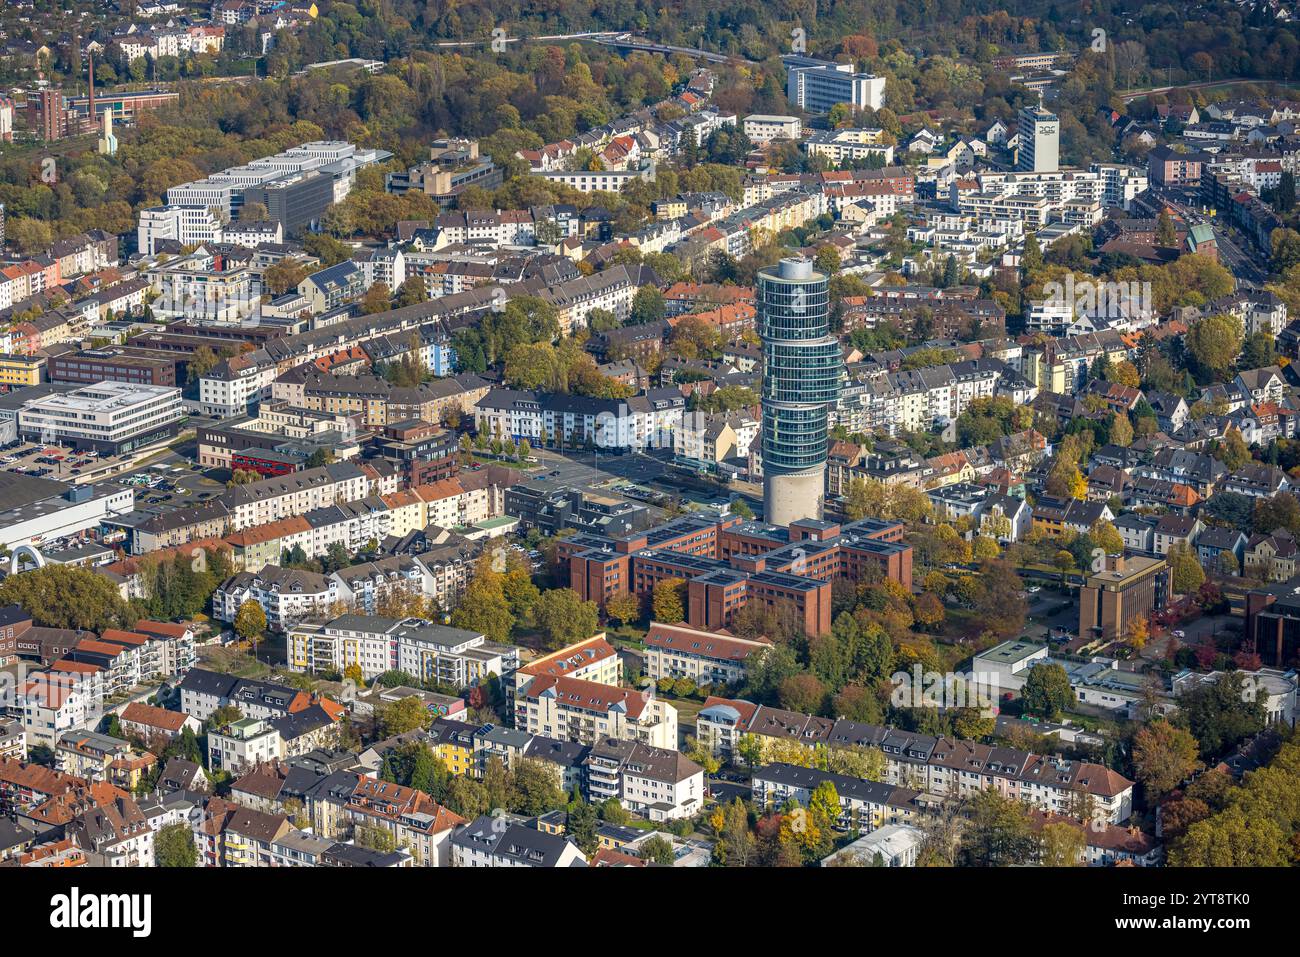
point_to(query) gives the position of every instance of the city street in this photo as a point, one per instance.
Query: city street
(1234, 250)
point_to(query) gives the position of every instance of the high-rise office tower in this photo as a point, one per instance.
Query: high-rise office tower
(1040, 141)
(802, 366)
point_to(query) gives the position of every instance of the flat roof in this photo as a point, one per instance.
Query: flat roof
(1011, 652)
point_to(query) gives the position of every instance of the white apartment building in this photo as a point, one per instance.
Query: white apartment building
(678, 651)
(286, 595)
(636, 422)
(817, 85)
(231, 387)
(245, 743)
(297, 493)
(603, 181)
(572, 709)
(193, 288)
(205, 194)
(944, 766)
(660, 783)
(254, 234)
(850, 144)
(53, 703)
(594, 659)
(1040, 141)
(451, 656)
(762, 128)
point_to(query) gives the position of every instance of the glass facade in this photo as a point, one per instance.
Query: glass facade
(802, 365)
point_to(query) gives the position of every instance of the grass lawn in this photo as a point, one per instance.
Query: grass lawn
(234, 661)
(687, 709)
(628, 636)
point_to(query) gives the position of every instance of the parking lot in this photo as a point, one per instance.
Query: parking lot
(1050, 610)
(48, 461)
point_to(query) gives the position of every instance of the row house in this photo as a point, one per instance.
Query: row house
(431, 652)
(678, 651)
(865, 806)
(941, 766)
(660, 783)
(203, 692)
(286, 595)
(413, 819)
(1203, 473)
(572, 709)
(493, 841)
(1272, 557)
(638, 422)
(283, 496)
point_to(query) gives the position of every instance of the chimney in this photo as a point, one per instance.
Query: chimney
(91, 75)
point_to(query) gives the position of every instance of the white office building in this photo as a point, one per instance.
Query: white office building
(1040, 141)
(111, 417)
(817, 85)
(187, 225)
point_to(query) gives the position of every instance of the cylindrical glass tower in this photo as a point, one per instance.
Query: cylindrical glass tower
(802, 366)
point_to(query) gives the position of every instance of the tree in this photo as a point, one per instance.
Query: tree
(563, 618)
(998, 602)
(827, 260)
(1163, 757)
(1032, 258)
(202, 362)
(483, 607)
(1121, 431)
(66, 596)
(319, 458)
(735, 845)
(375, 838)
(518, 587)
(999, 832)
(581, 826)
(1047, 691)
(1138, 633)
(281, 276)
(613, 812)
(174, 846)
(929, 611)
(1232, 838)
(403, 716)
(1215, 342)
(1233, 451)
(647, 306)
(1062, 844)
(698, 752)
(1258, 351)
(657, 850)
(413, 291)
(803, 693)
(534, 789)
(1186, 573)
(623, 607)
(667, 600)
(1221, 714)
(376, 299)
(1280, 511)
(1106, 536)
(1166, 235)
(250, 620)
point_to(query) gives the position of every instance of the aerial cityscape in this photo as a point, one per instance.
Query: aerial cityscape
(847, 435)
